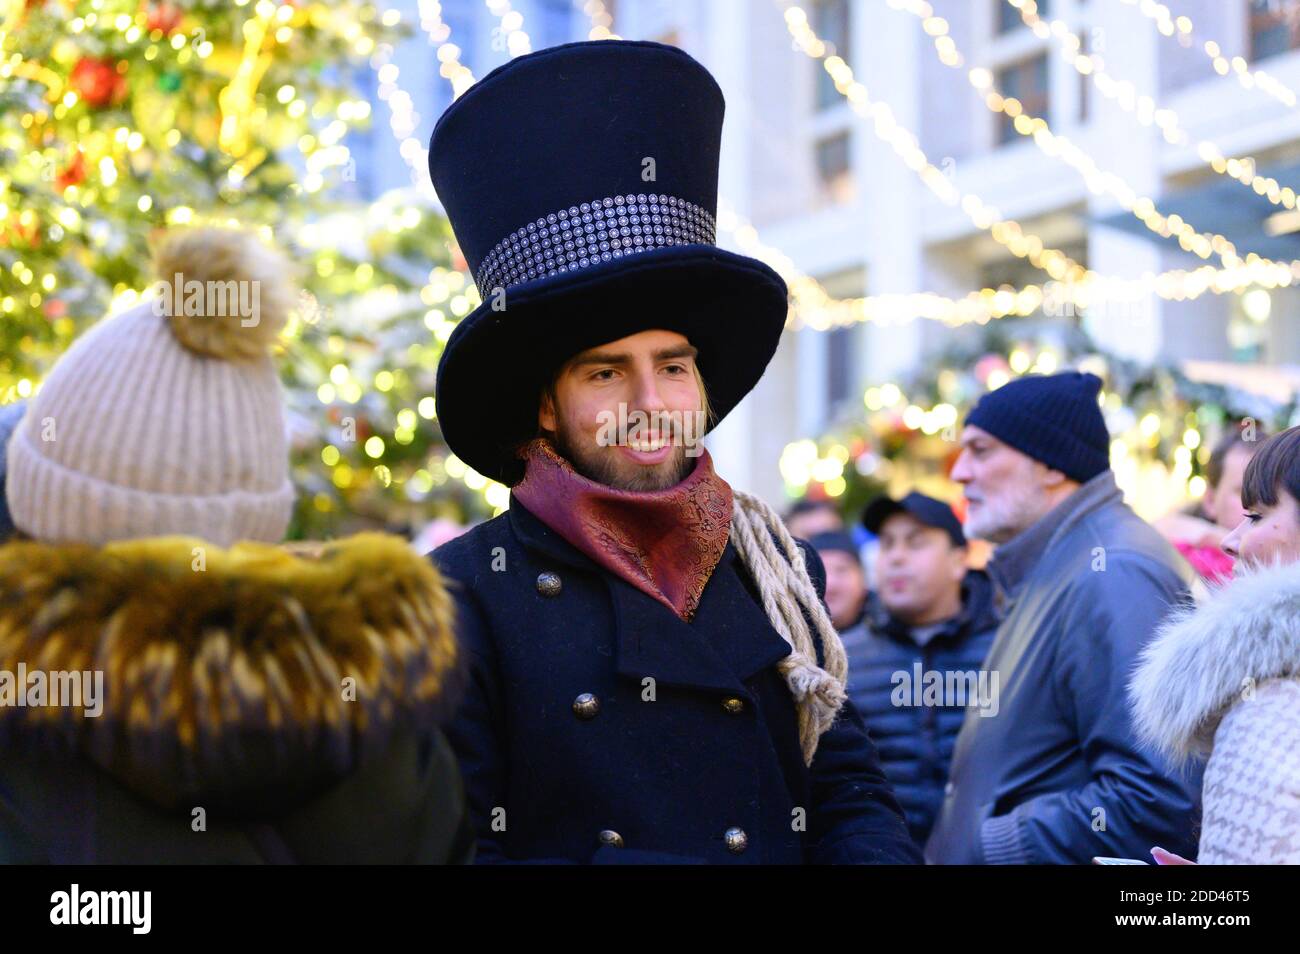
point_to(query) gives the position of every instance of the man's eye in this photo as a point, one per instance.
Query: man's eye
(604, 374)
(1254, 517)
(676, 369)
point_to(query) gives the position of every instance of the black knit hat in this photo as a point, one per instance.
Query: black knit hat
(1053, 418)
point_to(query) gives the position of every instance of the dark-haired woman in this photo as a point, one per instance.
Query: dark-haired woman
(1223, 679)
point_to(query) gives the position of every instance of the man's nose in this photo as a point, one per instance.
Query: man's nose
(961, 470)
(647, 393)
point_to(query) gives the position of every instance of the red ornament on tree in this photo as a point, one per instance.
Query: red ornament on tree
(73, 174)
(98, 82)
(165, 17)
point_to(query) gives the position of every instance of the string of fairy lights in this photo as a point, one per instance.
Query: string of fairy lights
(1099, 182)
(1181, 28)
(1146, 110)
(448, 295)
(1079, 291)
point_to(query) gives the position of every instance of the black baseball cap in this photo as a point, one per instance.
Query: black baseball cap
(928, 510)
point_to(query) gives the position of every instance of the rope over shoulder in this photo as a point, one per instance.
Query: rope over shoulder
(790, 601)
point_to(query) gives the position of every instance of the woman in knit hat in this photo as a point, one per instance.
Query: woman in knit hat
(174, 686)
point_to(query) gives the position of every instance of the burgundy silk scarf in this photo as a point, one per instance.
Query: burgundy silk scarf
(666, 543)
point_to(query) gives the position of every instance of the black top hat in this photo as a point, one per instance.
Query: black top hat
(581, 182)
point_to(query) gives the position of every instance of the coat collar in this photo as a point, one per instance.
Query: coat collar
(729, 640)
(1207, 657)
(1015, 561)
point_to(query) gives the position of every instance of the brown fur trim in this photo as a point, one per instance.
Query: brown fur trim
(200, 644)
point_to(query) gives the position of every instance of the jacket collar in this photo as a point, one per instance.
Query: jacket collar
(1014, 561)
(1207, 657)
(729, 640)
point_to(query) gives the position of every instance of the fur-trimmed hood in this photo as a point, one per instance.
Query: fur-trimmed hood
(1205, 658)
(249, 677)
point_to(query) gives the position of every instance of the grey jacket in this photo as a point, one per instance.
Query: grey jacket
(1057, 776)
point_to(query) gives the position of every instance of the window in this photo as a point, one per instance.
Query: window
(834, 170)
(1026, 82)
(831, 23)
(1009, 17)
(1274, 28)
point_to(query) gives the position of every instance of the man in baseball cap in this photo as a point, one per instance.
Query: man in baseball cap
(932, 619)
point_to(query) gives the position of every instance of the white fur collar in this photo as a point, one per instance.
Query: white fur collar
(1205, 658)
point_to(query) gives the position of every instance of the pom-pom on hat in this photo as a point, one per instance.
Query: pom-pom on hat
(167, 418)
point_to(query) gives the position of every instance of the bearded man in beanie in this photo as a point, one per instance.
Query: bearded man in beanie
(1081, 582)
(654, 677)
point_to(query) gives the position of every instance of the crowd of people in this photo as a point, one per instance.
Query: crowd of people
(635, 662)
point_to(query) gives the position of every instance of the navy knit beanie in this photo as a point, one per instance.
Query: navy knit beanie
(1053, 418)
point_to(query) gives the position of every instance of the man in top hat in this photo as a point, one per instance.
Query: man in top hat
(916, 658)
(1080, 584)
(653, 676)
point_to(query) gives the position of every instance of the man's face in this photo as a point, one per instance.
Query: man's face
(809, 523)
(846, 586)
(1267, 534)
(918, 570)
(1223, 503)
(1006, 491)
(651, 372)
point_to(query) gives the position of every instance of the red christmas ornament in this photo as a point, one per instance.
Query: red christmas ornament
(14, 234)
(55, 308)
(165, 17)
(98, 82)
(73, 174)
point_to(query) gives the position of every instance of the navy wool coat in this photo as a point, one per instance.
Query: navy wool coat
(600, 727)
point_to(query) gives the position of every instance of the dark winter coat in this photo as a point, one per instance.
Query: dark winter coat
(889, 672)
(600, 727)
(257, 707)
(1059, 776)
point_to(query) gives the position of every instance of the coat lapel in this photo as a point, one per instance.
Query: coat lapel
(728, 641)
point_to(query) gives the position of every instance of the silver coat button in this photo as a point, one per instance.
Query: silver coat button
(736, 840)
(548, 584)
(586, 706)
(611, 838)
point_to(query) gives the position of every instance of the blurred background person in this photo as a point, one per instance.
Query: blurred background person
(1222, 679)
(807, 518)
(1199, 535)
(931, 615)
(846, 581)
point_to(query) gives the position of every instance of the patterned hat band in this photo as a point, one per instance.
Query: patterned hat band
(597, 231)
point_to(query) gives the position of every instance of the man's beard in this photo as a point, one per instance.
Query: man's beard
(602, 464)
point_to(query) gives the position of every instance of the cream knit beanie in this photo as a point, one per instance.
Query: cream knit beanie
(167, 419)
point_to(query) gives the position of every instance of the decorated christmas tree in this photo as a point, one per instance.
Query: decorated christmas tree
(119, 118)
